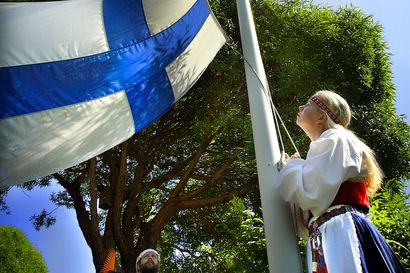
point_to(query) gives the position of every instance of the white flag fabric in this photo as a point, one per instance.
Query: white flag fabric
(79, 77)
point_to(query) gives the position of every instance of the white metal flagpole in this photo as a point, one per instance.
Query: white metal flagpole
(281, 244)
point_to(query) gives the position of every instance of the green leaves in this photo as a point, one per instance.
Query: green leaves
(391, 216)
(228, 239)
(17, 255)
(43, 219)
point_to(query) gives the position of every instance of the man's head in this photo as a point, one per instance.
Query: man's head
(148, 261)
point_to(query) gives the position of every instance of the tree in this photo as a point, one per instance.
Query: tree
(230, 238)
(17, 254)
(168, 186)
(177, 164)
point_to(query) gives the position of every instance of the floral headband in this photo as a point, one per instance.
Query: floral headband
(323, 106)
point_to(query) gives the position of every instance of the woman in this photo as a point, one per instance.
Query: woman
(333, 183)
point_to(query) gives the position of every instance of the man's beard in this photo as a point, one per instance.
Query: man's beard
(149, 268)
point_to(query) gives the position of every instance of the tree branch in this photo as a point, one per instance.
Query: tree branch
(93, 199)
(158, 181)
(216, 199)
(93, 241)
(205, 140)
(214, 178)
(131, 211)
(118, 188)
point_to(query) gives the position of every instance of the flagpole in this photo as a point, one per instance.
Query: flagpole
(281, 244)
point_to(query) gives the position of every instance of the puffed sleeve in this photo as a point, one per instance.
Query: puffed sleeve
(312, 184)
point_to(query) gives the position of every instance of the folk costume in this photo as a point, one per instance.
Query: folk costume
(330, 183)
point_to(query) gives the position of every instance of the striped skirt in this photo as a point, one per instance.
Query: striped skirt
(342, 240)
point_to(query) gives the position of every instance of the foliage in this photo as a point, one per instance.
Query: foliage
(391, 216)
(17, 255)
(42, 220)
(229, 239)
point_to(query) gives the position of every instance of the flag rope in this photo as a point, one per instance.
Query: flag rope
(268, 94)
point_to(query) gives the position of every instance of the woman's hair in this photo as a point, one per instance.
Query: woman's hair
(341, 109)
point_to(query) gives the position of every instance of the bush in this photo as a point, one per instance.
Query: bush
(17, 254)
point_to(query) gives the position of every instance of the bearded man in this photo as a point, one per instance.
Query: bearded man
(148, 261)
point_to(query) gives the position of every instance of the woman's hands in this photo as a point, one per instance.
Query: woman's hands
(294, 156)
(284, 158)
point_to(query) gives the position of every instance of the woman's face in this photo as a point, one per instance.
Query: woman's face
(308, 116)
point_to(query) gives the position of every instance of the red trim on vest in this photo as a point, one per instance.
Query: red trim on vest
(352, 193)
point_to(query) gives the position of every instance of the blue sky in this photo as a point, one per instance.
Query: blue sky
(63, 246)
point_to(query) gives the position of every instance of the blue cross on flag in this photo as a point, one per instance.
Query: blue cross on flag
(79, 77)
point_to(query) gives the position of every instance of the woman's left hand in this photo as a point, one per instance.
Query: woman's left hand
(294, 156)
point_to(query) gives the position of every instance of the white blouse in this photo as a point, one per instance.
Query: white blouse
(312, 183)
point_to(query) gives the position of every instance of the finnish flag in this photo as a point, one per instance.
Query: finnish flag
(79, 77)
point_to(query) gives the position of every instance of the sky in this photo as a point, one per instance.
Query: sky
(63, 246)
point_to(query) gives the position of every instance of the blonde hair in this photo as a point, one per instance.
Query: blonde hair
(341, 109)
